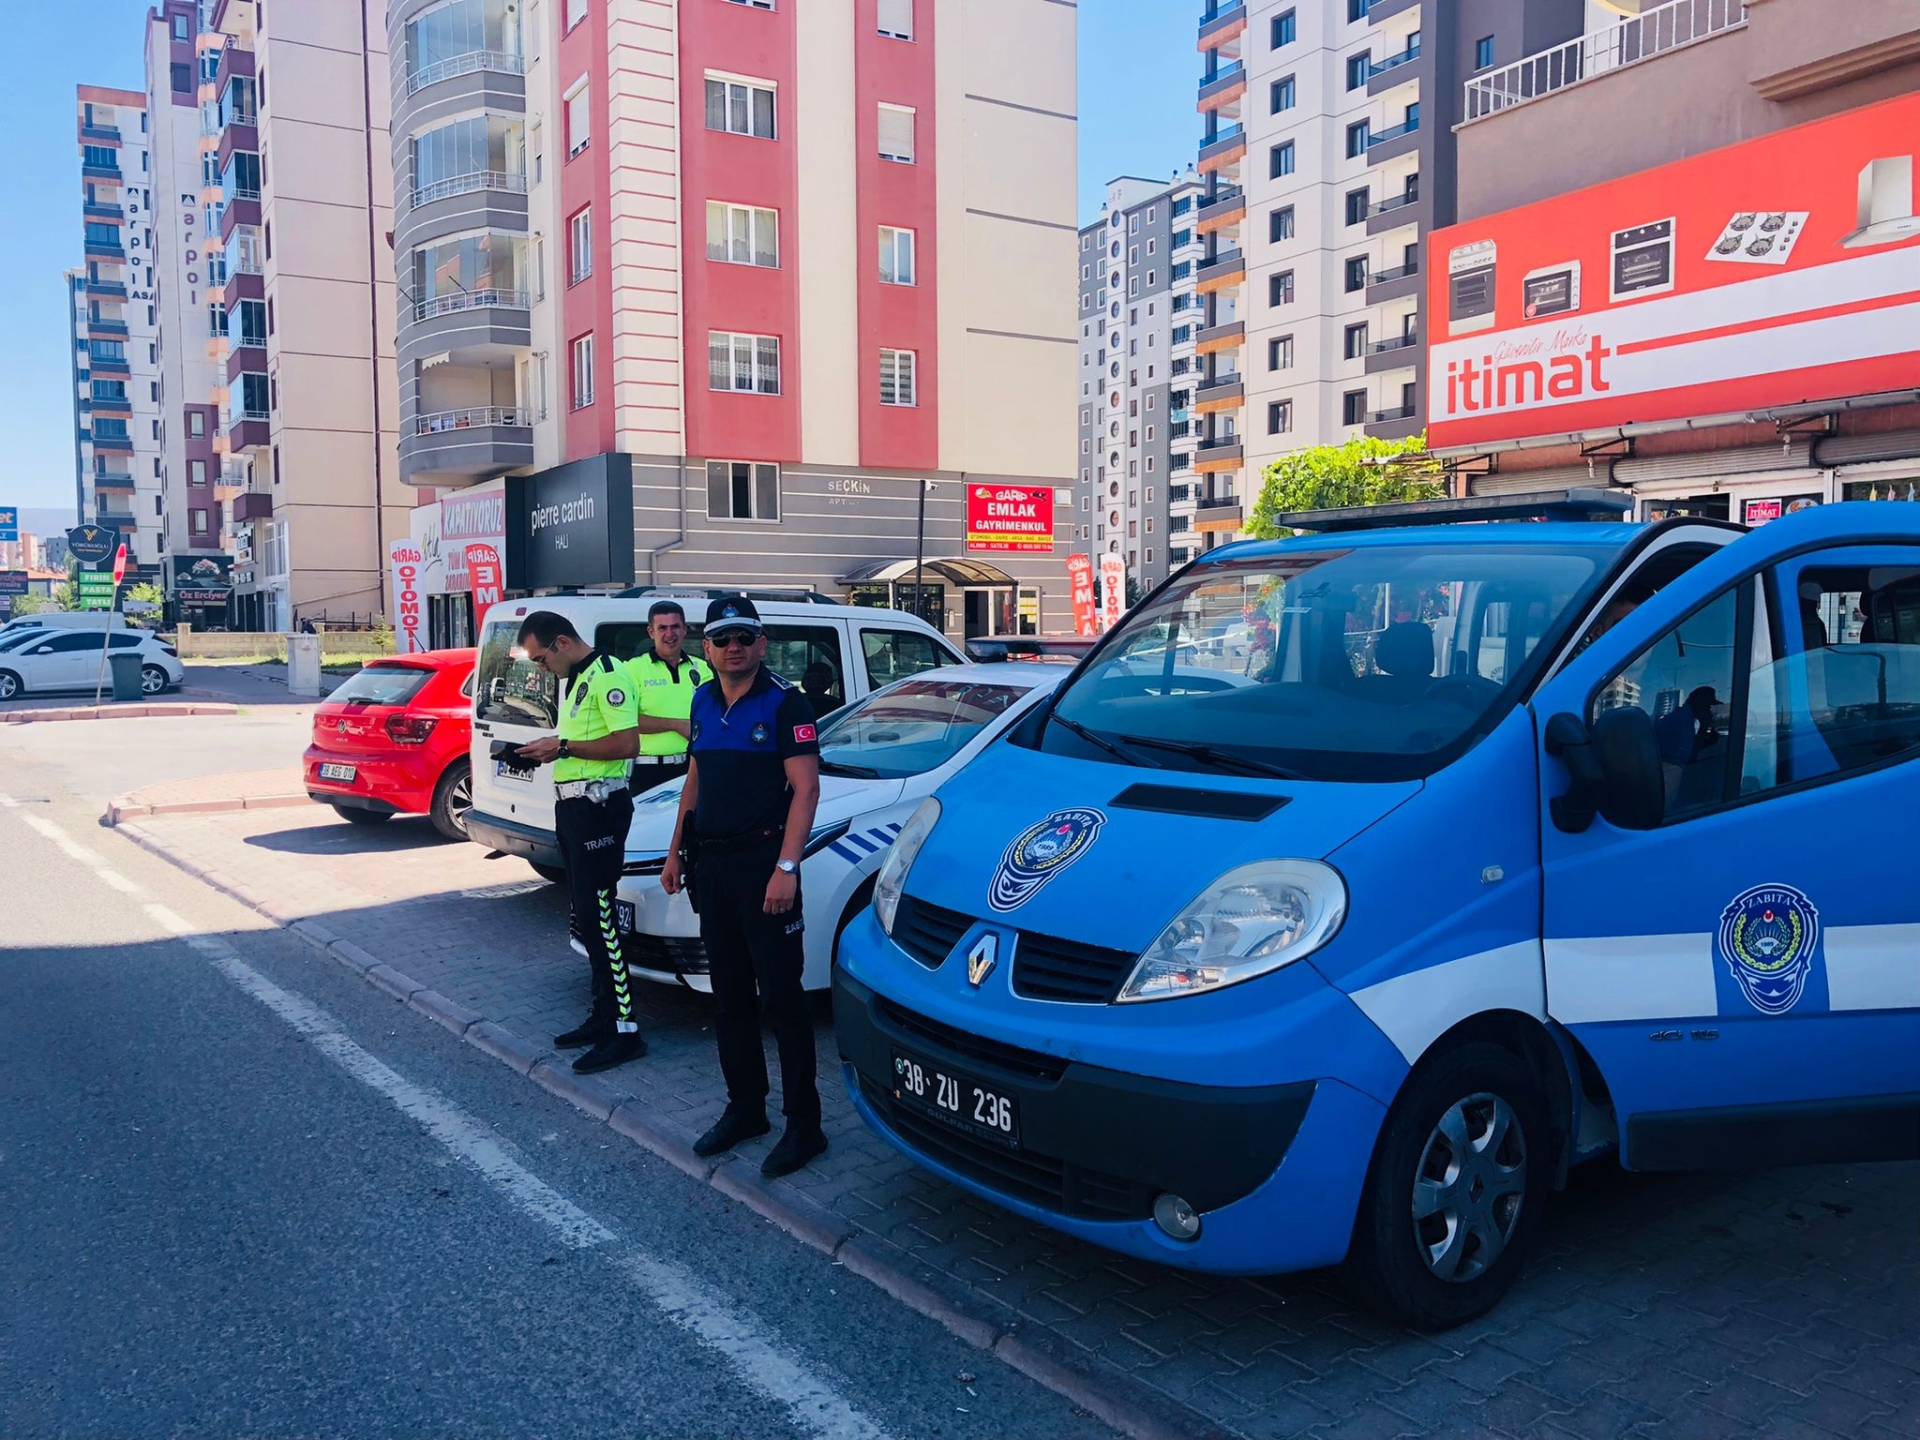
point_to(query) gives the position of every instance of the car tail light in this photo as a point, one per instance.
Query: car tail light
(410, 729)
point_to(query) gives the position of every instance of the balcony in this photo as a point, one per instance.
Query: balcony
(113, 444)
(1399, 423)
(1227, 84)
(1218, 514)
(1653, 32)
(1229, 336)
(1212, 456)
(1395, 62)
(1227, 207)
(235, 136)
(1227, 392)
(1226, 147)
(1381, 11)
(106, 250)
(243, 208)
(1394, 284)
(101, 172)
(1221, 24)
(470, 300)
(250, 354)
(235, 59)
(1398, 352)
(503, 180)
(1229, 267)
(1387, 144)
(107, 329)
(252, 506)
(498, 62)
(463, 446)
(112, 480)
(108, 214)
(100, 134)
(249, 430)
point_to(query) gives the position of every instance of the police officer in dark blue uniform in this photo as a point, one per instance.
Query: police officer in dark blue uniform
(745, 813)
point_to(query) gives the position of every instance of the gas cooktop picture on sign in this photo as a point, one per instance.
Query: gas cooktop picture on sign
(1759, 237)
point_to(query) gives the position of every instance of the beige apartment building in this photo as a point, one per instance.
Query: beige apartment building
(305, 215)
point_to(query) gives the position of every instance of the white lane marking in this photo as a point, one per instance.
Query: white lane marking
(7, 802)
(691, 1304)
(168, 921)
(68, 846)
(116, 881)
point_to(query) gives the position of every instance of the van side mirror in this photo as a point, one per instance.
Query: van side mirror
(1615, 765)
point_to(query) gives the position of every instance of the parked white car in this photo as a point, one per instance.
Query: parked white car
(837, 653)
(879, 758)
(55, 660)
(66, 620)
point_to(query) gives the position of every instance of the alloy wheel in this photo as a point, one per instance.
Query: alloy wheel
(1469, 1187)
(460, 801)
(153, 680)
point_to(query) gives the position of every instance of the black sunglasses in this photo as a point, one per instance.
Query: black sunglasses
(727, 638)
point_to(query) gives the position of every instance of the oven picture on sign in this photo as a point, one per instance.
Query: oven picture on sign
(1470, 270)
(1643, 260)
(1551, 290)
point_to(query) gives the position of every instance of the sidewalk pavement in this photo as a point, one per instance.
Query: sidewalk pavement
(250, 684)
(1778, 1303)
(246, 790)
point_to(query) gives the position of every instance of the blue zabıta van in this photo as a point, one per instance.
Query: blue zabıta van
(1359, 884)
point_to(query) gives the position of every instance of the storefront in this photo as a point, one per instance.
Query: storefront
(445, 532)
(968, 598)
(200, 588)
(571, 527)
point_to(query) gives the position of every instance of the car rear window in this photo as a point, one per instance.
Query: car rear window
(382, 685)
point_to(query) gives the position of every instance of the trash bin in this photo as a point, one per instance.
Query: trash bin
(126, 675)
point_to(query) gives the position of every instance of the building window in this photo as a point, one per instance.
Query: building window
(1181, 335)
(896, 256)
(196, 423)
(742, 490)
(745, 363)
(1285, 28)
(1357, 203)
(742, 235)
(1280, 224)
(196, 472)
(1353, 408)
(896, 19)
(580, 246)
(1280, 353)
(896, 133)
(1357, 10)
(740, 107)
(1285, 94)
(755, 4)
(1280, 288)
(1181, 206)
(1280, 160)
(576, 12)
(1483, 52)
(1357, 69)
(1356, 273)
(199, 521)
(1357, 138)
(1356, 341)
(579, 117)
(583, 372)
(1279, 417)
(897, 378)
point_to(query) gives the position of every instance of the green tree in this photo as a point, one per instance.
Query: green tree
(33, 605)
(1327, 477)
(146, 593)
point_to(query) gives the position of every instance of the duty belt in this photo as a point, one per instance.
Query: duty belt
(750, 840)
(595, 790)
(679, 759)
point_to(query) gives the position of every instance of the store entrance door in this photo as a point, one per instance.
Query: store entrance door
(988, 612)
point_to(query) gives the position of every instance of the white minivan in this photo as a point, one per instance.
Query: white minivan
(837, 653)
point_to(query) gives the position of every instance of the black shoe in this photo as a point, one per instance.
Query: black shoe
(799, 1145)
(729, 1130)
(590, 1031)
(616, 1049)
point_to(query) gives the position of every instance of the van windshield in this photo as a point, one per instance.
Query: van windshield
(1366, 663)
(509, 689)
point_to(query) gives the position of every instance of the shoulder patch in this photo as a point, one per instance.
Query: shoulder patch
(616, 697)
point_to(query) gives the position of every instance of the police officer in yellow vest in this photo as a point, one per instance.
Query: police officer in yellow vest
(665, 681)
(598, 735)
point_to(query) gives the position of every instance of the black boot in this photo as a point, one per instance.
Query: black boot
(800, 1143)
(615, 1049)
(596, 1027)
(730, 1129)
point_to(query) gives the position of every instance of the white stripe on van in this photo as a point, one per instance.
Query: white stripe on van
(1873, 967)
(1631, 977)
(1416, 1009)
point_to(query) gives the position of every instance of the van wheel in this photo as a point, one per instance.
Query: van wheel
(552, 874)
(452, 799)
(1455, 1191)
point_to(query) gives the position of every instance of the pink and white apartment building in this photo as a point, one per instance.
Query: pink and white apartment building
(742, 287)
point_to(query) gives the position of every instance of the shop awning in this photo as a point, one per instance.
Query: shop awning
(932, 572)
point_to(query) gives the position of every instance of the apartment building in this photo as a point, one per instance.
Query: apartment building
(1764, 191)
(743, 292)
(310, 411)
(1134, 494)
(116, 370)
(1328, 149)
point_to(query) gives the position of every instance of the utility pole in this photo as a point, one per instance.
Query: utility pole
(919, 547)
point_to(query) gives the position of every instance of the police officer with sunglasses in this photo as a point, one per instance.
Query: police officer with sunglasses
(745, 813)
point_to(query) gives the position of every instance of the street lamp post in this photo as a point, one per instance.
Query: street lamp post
(919, 547)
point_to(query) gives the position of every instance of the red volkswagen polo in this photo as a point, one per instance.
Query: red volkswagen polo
(393, 740)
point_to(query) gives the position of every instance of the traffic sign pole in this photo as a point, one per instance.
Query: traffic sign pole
(106, 634)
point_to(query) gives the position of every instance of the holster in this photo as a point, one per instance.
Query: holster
(690, 863)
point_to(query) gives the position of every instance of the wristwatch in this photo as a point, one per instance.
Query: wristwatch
(566, 750)
(786, 867)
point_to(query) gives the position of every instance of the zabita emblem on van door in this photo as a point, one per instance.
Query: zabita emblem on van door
(1766, 938)
(1040, 852)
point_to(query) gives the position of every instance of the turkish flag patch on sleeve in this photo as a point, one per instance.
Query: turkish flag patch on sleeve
(803, 734)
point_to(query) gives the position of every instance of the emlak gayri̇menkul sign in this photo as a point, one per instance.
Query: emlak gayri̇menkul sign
(571, 526)
(1010, 517)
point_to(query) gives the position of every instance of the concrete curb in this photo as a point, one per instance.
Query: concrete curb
(131, 807)
(161, 711)
(1129, 1406)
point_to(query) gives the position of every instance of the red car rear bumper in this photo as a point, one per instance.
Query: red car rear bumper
(403, 780)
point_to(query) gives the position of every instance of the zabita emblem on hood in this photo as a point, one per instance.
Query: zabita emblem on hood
(1040, 852)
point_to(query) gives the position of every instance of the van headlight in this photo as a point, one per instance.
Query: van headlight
(1251, 920)
(893, 872)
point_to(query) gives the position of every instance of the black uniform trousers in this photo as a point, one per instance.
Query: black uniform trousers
(593, 844)
(645, 777)
(755, 961)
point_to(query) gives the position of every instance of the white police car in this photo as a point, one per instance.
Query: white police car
(879, 757)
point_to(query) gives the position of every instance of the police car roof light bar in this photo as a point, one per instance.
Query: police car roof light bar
(1580, 503)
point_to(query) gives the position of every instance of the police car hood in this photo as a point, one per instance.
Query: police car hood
(841, 798)
(1108, 854)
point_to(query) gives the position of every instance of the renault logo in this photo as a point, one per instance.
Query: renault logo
(980, 959)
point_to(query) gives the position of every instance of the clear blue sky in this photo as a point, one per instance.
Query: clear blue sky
(1138, 75)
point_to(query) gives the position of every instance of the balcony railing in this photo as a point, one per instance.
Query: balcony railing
(470, 300)
(1399, 272)
(1218, 502)
(1396, 342)
(1399, 412)
(1651, 33)
(100, 132)
(243, 265)
(1394, 62)
(1229, 197)
(1214, 264)
(1231, 381)
(1394, 202)
(442, 421)
(1224, 138)
(1411, 127)
(507, 180)
(242, 192)
(498, 61)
